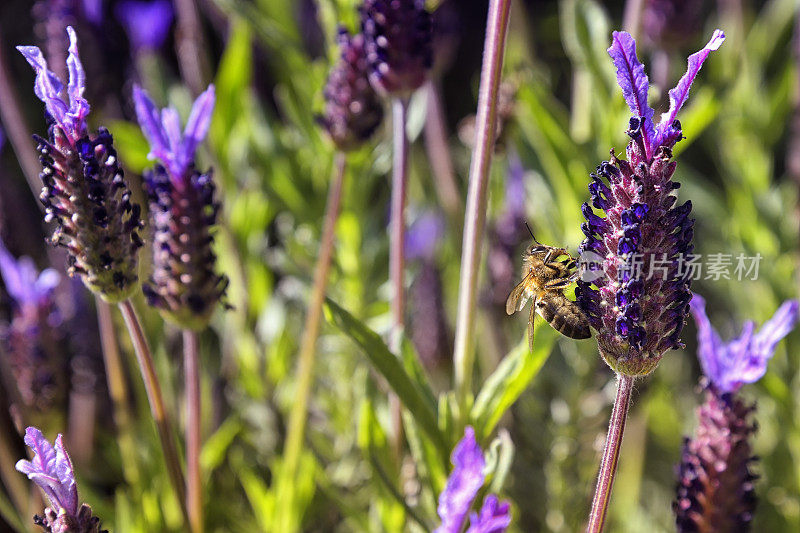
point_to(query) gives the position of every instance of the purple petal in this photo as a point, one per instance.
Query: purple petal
(171, 124)
(93, 10)
(51, 469)
(47, 85)
(462, 485)
(78, 106)
(781, 324)
(494, 517)
(424, 236)
(19, 277)
(710, 348)
(633, 82)
(150, 122)
(677, 96)
(198, 123)
(146, 23)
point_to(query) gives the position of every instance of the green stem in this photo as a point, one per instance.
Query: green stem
(608, 465)
(194, 487)
(156, 400)
(486, 123)
(305, 365)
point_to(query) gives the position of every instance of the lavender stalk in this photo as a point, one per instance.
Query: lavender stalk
(494, 47)
(635, 287)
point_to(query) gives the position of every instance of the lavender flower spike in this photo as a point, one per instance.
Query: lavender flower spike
(69, 115)
(462, 486)
(744, 359)
(184, 285)
(637, 253)
(51, 469)
(146, 23)
(84, 190)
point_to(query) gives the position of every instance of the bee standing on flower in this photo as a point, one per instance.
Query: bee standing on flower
(544, 277)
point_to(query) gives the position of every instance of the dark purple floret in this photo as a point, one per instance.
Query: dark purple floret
(184, 285)
(398, 41)
(353, 110)
(635, 291)
(715, 490)
(84, 190)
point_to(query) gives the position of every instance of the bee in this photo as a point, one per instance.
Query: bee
(546, 272)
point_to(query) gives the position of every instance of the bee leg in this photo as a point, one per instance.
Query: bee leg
(531, 318)
(562, 283)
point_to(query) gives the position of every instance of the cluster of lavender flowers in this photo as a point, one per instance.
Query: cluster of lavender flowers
(715, 490)
(638, 320)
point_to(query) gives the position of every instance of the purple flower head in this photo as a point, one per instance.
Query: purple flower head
(163, 130)
(634, 84)
(23, 283)
(51, 469)
(424, 236)
(399, 44)
(462, 486)
(93, 10)
(744, 359)
(637, 253)
(146, 23)
(69, 115)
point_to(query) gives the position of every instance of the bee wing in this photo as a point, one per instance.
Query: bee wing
(519, 297)
(531, 318)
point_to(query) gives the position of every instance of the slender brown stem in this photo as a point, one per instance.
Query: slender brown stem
(608, 465)
(19, 134)
(486, 124)
(194, 487)
(156, 400)
(398, 227)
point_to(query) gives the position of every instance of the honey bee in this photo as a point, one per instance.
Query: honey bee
(544, 277)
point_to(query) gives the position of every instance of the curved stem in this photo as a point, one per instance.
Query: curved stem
(156, 400)
(194, 487)
(305, 365)
(464, 357)
(608, 465)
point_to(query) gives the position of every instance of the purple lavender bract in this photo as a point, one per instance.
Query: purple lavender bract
(51, 469)
(146, 23)
(399, 44)
(462, 486)
(184, 285)
(640, 296)
(84, 189)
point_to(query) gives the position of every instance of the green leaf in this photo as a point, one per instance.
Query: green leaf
(385, 362)
(509, 381)
(131, 144)
(216, 447)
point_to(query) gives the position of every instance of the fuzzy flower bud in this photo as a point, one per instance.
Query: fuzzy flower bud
(51, 469)
(184, 285)
(715, 485)
(461, 489)
(636, 252)
(399, 43)
(353, 110)
(84, 190)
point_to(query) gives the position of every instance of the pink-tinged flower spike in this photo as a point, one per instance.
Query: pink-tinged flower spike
(51, 469)
(399, 43)
(639, 249)
(715, 489)
(744, 359)
(84, 189)
(184, 285)
(353, 110)
(69, 115)
(462, 486)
